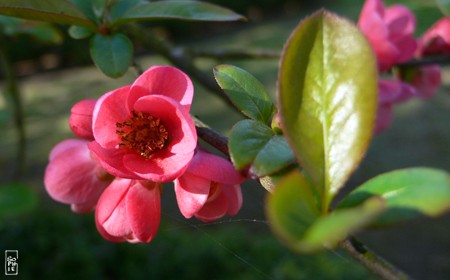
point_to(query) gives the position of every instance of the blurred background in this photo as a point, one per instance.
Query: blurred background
(54, 243)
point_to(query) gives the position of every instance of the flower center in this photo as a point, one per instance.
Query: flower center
(142, 133)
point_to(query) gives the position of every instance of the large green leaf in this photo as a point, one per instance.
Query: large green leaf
(56, 11)
(16, 199)
(181, 10)
(254, 145)
(444, 5)
(245, 91)
(327, 94)
(112, 54)
(408, 193)
(292, 208)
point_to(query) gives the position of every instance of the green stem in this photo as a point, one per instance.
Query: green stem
(371, 261)
(12, 94)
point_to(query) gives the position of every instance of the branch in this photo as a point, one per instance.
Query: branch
(442, 60)
(371, 261)
(212, 137)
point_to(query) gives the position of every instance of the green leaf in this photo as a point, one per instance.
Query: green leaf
(56, 11)
(121, 7)
(327, 94)
(41, 31)
(181, 10)
(444, 5)
(245, 91)
(254, 145)
(291, 208)
(408, 193)
(79, 32)
(16, 199)
(328, 231)
(112, 54)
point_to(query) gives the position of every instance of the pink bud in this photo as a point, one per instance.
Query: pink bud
(80, 121)
(436, 40)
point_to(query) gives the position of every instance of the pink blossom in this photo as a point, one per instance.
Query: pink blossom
(74, 177)
(209, 189)
(80, 120)
(389, 31)
(427, 80)
(144, 131)
(436, 40)
(390, 92)
(129, 210)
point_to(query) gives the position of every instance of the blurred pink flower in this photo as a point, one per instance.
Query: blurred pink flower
(389, 31)
(129, 210)
(80, 120)
(144, 131)
(427, 80)
(390, 92)
(74, 177)
(209, 189)
(436, 40)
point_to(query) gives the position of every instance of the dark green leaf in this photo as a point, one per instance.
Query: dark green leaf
(181, 10)
(254, 145)
(408, 193)
(328, 97)
(444, 5)
(291, 208)
(245, 91)
(112, 54)
(41, 31)
(56, 11)
(79, 32)
(16, 199)
(121, 7)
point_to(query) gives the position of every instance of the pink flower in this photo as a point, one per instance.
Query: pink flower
(144, 131)
(80, 120)
(390, 92)
(389, 31)
(74, 177)
(427, 80)
(437, 39)
(129, 210)
(209, 189)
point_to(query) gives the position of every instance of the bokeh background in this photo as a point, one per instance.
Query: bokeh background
(54, 243)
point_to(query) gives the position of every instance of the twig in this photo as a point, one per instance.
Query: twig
(442, 60)
(13, 94)
(371, 261)
(212, 137)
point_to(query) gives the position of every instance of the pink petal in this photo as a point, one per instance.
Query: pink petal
(214, 209)
(234, 198)
(112, 161)
(110, 109)
(80, 120)
(191, 193)
(163, 166)
(144, 210)
(214, 168)
(400, 20)
(71, 175)
(384, 117)
(427, 80)
(163, 80)
(177, 121)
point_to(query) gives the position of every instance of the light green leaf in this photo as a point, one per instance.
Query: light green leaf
(181, 10)
(444, 5)
(328, 97)
(56, 11)
(79, 32)
(254, 145)
(112, 54)
(408, 193)
(291, 208)
(16, 199)
(245, 91)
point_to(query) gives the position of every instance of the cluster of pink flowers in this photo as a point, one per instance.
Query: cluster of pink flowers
(132, 140)
(390, 31)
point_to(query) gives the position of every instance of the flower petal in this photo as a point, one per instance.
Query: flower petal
(144, 210)
(214, 168)
(80, 120)
(163, 80)
(191, 192)
(234, 198)
(109, 110)
(179, 124)
(163, 166)
(214, 209)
